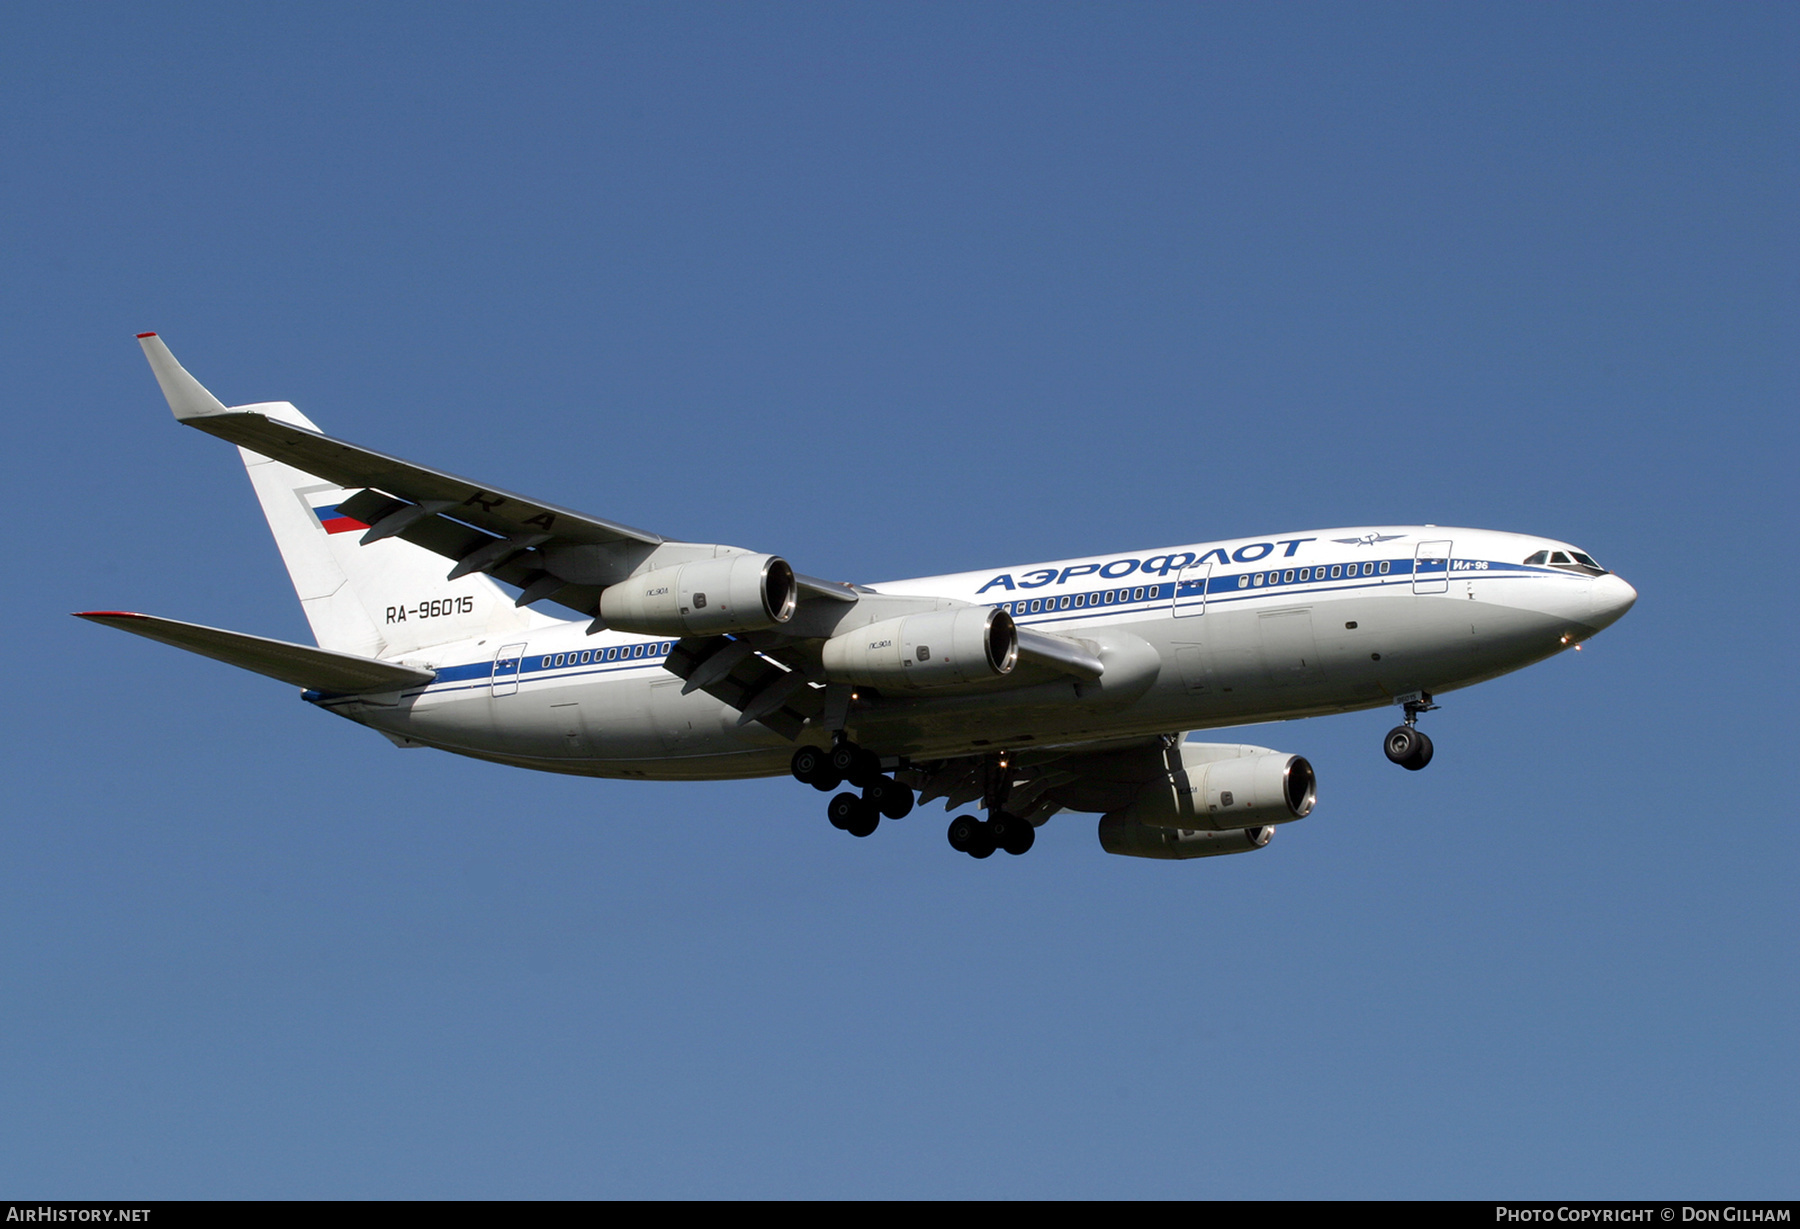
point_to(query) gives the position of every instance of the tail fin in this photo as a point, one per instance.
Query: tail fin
(381, 600)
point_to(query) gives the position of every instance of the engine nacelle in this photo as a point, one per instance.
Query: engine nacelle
(1119, 835)
(1221, 787)
(734, 593)
(918, 651)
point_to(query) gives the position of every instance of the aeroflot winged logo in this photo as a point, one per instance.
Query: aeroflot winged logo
(1155, 565)
(1369, 539)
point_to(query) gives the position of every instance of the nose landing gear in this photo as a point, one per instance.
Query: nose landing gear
(1406, 745)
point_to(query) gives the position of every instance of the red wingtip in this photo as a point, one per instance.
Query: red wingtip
(107, 614)
(141, 336)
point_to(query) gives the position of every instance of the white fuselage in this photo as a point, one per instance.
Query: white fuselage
(1206, 635)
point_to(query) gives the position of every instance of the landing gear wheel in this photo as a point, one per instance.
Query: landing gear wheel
(1424, 754)
(867, 771)
(1019, 837)
(843, 810)
(971, 836)
(866, 820)
(1407, 747)
(1010, 833)
(962, 832)
(891, 798)
(806, 764)
(983, 845)
(825, 780)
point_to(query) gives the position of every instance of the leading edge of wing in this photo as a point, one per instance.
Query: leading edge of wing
(299, 664)
(351, 465)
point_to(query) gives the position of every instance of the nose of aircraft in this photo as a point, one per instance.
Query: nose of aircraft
(1608, 600)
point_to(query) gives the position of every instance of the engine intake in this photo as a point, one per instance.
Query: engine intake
(735, 593)
(919, 651)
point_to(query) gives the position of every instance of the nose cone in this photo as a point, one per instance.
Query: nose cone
(1608, 600)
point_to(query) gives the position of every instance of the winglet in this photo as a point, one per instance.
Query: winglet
(187, 396)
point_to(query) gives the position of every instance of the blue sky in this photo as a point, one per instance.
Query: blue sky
(893, 290)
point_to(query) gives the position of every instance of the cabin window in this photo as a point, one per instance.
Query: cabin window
(1384, 567)
(1257, 579)
(1137, 595)
(1035, 605)
(1368, 569)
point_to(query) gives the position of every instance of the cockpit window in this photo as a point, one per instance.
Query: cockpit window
(1567, 561)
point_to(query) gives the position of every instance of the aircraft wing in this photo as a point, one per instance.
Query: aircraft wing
(550, 552)
(299, 664)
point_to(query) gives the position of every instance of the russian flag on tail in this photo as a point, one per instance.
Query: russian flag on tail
(335, 521)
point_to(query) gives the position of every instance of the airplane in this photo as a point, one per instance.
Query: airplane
(1067, 685)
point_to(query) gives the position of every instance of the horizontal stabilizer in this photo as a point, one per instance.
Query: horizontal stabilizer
(299, 664)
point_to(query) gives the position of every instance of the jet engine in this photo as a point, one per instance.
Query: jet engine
(1121, 836)
(1220, 787)
(918, 651)
(734, 593)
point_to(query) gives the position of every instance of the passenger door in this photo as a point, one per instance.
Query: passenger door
(506, 669)
(1431, 568)
(1190, 590)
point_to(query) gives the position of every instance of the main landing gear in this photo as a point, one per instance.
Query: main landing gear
(1001, 829)
(980, 837)
(1407, 745)
(826, 769)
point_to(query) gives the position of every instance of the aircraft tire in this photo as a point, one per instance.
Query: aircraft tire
(888, 796)
(1020, 836)
(963, 831)
(844, 760)
(867, 770)
(865, 821)
(896, 800)
(1401, 744)
(843, 811)
(806, 764)
(1422, 756)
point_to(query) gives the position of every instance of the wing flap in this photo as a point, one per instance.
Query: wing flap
(299, 664)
